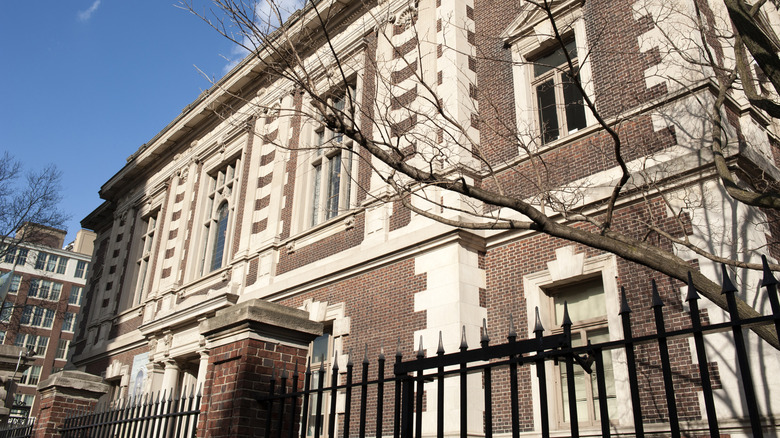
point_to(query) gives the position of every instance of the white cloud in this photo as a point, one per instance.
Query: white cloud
(87, 14)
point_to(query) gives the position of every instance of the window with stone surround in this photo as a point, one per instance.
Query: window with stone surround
(222, 188)
(550, 105)
(587, 310)
(589, 287)
(145, 249)
(331, 163)
(323, 351)
(559, 105)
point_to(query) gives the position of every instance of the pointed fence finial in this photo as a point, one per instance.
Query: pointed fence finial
(420, 351)
(335, 361)
(365, 354)
(769, 278)
(728, 286)
(464, 345)
(381, 350)
(398, 353)
(538, 327)
(512, 332)
(440, 350)
(349, 358)
(566, 319)
(692, 294)
(484, 338)
(624, 309)
(657, 302)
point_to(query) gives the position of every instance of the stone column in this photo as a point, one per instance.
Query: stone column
(170, 380)
(247, 343)
(202, 369)
(63, 393)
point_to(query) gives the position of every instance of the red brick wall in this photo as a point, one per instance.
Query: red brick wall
(505, 267)
(380, 304)
(237, 375)
(55, 407)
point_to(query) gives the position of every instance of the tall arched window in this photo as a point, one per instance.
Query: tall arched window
(221, 191)
(219, 238)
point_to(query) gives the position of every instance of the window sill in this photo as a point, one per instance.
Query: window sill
(342, 222)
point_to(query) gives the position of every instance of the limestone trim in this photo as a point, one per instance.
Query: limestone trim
(188, 315)
(262, 320)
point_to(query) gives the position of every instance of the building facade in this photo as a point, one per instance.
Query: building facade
(44, 300)
(248, 196)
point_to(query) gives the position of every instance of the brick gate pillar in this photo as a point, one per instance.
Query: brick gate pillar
(63, 393)
(246, 343)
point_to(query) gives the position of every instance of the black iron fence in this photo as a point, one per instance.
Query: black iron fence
(138, 417)
(309, 408)
(17, 428)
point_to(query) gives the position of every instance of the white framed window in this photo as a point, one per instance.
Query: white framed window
(81, 269)
(68, 322)
(331, 163)
(31, 376)
(62, 265)
(37, 316)
(6, 311)
(589, 287)
(560, 107)
(146, 246)
(222, 186)
(45, 289)
(16, 282)
(40, 260)
(62, 349)
(588, 312)
(51, 263)
(33, 343)
(549, 104)
(321, 355)
(76, 295)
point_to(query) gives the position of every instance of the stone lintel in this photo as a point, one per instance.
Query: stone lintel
(263, 318)
(75, 383)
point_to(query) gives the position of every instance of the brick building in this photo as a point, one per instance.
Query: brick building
(40, 311)
(246, 197)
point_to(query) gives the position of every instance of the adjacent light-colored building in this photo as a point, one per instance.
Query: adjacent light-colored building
(45, 297)
(243, 197)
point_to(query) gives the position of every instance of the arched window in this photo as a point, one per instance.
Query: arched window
(219, 238)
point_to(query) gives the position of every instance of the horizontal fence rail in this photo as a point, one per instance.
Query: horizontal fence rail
(398, 401)
(146, 416)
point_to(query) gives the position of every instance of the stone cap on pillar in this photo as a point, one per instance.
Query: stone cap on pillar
(263, 319)
(75, 382)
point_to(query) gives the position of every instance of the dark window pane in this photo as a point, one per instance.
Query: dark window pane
(548, 114)
(334, 184)
(219, 241)
(575, 107)
(554, 59)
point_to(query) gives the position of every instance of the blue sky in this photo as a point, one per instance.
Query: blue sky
(86, 82)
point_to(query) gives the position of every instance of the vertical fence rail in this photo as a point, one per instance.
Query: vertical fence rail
(138, 417)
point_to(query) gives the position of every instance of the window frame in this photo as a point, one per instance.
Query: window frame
(530, 36)
(145, 254)
(331, 164)
(30, 374)
(571, 268)
(223, 187)
(81, 269)
(582, 329)
(77, 292)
